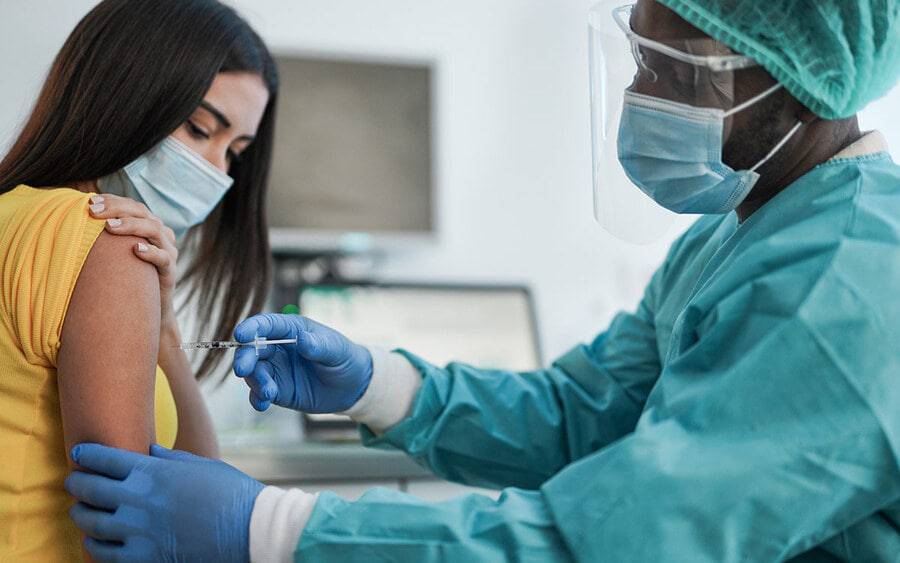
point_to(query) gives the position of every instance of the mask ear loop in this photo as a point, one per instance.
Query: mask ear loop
(781, 143)
(778, 146)
(744, 105)
(639, 59)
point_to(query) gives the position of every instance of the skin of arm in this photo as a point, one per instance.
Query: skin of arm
(110, 339)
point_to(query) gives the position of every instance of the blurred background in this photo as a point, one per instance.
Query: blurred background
(469, 126)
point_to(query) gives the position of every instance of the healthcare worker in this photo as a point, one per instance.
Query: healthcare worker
(748, 410)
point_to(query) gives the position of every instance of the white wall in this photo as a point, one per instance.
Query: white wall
(513, 146)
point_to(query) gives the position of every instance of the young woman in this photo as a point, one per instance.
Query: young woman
(170, 103)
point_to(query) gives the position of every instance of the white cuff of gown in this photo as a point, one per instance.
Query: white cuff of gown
(391, 393)
(276, 523)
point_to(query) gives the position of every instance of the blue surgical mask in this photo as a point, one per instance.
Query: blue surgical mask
(673, 153)
(175, 183)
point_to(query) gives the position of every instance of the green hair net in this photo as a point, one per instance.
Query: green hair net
(835, 56)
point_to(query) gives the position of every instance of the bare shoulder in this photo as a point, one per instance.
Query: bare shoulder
(116, 295)
(112, 267)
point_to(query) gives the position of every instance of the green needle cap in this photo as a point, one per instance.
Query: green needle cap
(290, 310)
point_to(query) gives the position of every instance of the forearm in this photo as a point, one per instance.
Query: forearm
(517, 526)
(294, 525)
(195, 429)
(460, 421)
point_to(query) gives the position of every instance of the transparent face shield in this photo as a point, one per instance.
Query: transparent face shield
(693, 72)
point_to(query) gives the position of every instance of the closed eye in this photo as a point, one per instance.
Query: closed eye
(196, 131)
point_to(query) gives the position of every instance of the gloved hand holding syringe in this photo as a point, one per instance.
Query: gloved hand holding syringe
(318, 370)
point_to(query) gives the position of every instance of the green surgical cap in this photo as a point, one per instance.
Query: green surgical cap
(835, 56)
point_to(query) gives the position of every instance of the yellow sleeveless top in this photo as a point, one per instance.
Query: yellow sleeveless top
(45, 236)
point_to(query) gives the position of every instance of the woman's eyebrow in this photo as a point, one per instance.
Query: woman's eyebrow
(220, 117)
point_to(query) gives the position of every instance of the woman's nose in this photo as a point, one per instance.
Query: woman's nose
(218, 158)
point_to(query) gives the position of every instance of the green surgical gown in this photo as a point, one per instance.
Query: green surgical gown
(748, 410)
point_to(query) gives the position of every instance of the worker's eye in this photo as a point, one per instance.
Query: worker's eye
(195, 131)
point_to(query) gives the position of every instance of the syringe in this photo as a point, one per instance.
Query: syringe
(260, 343)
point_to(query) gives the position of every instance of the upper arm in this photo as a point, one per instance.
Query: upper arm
(109, 344)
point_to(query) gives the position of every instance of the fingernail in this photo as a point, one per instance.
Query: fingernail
(75, 451)
(98, 208)
(96, 198)
(142, 247)
(114, 222)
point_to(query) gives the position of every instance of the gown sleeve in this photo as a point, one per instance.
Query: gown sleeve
(495, 429)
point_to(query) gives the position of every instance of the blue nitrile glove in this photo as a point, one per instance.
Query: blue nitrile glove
(173, 506)
(323, 372)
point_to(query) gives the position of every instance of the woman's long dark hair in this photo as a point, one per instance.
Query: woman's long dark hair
(129, 75)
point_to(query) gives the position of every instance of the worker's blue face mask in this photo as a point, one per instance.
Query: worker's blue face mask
(175, 183)
(673, 153)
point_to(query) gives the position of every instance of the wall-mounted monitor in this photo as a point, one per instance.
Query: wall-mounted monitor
(352, 165)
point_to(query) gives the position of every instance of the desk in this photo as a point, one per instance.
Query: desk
(347, 469)
(311, 461)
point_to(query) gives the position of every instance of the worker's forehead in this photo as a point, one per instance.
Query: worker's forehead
(655, 21)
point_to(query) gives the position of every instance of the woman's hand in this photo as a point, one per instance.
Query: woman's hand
(125, 216)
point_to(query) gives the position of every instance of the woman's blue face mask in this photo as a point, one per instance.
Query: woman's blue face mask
(673, 153)
(175, 183)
